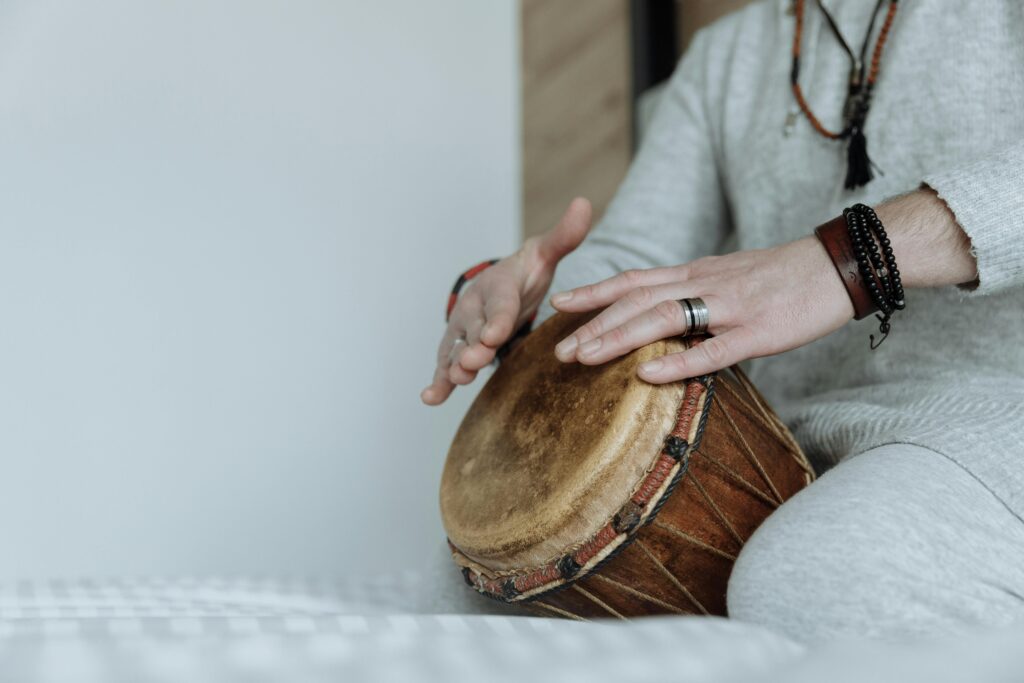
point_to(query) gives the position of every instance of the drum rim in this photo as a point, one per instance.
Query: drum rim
(527, 584)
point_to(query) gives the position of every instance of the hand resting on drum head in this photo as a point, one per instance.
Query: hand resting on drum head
(760, 302)
(500, 300)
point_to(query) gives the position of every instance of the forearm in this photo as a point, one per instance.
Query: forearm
(930, 247)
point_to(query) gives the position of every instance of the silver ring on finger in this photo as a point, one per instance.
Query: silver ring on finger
(455, 347)
(697, 315)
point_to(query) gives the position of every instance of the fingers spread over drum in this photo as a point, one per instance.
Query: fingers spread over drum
(642, 317)
(711, 355)
(666, 319)
(614, 288)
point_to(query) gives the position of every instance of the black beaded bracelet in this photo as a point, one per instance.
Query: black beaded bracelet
(877, 265)
(889, 273)
(863, 246)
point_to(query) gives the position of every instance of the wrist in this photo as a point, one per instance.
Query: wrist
(876, 283)
(932, 248)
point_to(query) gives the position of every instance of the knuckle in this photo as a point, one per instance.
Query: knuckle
(715, 351)
(618, 336)
(591, 291)
(533, 251)
(500, 325)
(669, 312)
(640, 297)
(632, 276)
(701, 266)
(675, 365)
(753, 342)
(459, 375)
(594, 328)
(468, 303)
(498, 312)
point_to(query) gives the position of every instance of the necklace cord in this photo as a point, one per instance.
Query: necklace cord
(858, 102)
(858, 63)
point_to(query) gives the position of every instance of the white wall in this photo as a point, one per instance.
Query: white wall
(227, 231)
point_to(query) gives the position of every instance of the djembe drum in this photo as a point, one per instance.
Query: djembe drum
(584, 491)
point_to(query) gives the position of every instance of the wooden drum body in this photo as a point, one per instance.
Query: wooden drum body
(586, 492)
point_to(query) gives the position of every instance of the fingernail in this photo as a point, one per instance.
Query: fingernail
(590, 347)
(652, 366)
(566, 346)
(561, 298)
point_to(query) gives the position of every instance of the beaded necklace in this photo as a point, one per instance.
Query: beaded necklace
(858, 98)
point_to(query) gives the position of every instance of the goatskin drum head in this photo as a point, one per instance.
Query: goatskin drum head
(549, 451)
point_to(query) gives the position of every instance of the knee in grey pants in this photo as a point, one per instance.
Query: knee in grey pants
(898, 540)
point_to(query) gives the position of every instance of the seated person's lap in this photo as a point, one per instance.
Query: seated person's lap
(897, 540)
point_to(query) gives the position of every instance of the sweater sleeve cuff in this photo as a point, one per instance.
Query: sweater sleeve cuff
(987, 198)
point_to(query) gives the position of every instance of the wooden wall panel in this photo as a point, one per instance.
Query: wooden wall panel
(577, 105)
(577, 109)
(695, 14)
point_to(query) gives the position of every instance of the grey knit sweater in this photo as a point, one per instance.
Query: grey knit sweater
(716, 172)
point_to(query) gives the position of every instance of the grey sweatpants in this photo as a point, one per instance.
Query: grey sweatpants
(898, 540)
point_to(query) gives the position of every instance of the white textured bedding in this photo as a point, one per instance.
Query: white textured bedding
(259, 629)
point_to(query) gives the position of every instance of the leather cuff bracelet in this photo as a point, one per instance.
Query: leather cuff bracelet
(835, 237)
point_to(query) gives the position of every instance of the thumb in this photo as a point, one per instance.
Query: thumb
(569, 232)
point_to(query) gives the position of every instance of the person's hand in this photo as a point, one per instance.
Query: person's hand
(761, 302)
(498, 301)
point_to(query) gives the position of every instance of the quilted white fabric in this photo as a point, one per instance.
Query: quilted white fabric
(252, 629)
(303, 630)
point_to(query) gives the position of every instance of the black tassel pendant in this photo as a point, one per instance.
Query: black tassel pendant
(858, 163)
(859, 169)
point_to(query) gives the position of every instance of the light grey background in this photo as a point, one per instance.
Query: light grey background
(227, 231)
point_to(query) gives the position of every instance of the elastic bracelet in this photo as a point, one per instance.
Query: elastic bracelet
(888, 272)
(461, 281)
(453, 298)
(863, 243)
(883, 277)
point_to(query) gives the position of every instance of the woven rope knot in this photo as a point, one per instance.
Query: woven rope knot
(675, 447)
(627, 518)
(509, 590)
(568, 567)
(469, 579)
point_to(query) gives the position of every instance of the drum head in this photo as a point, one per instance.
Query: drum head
(549, 451)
